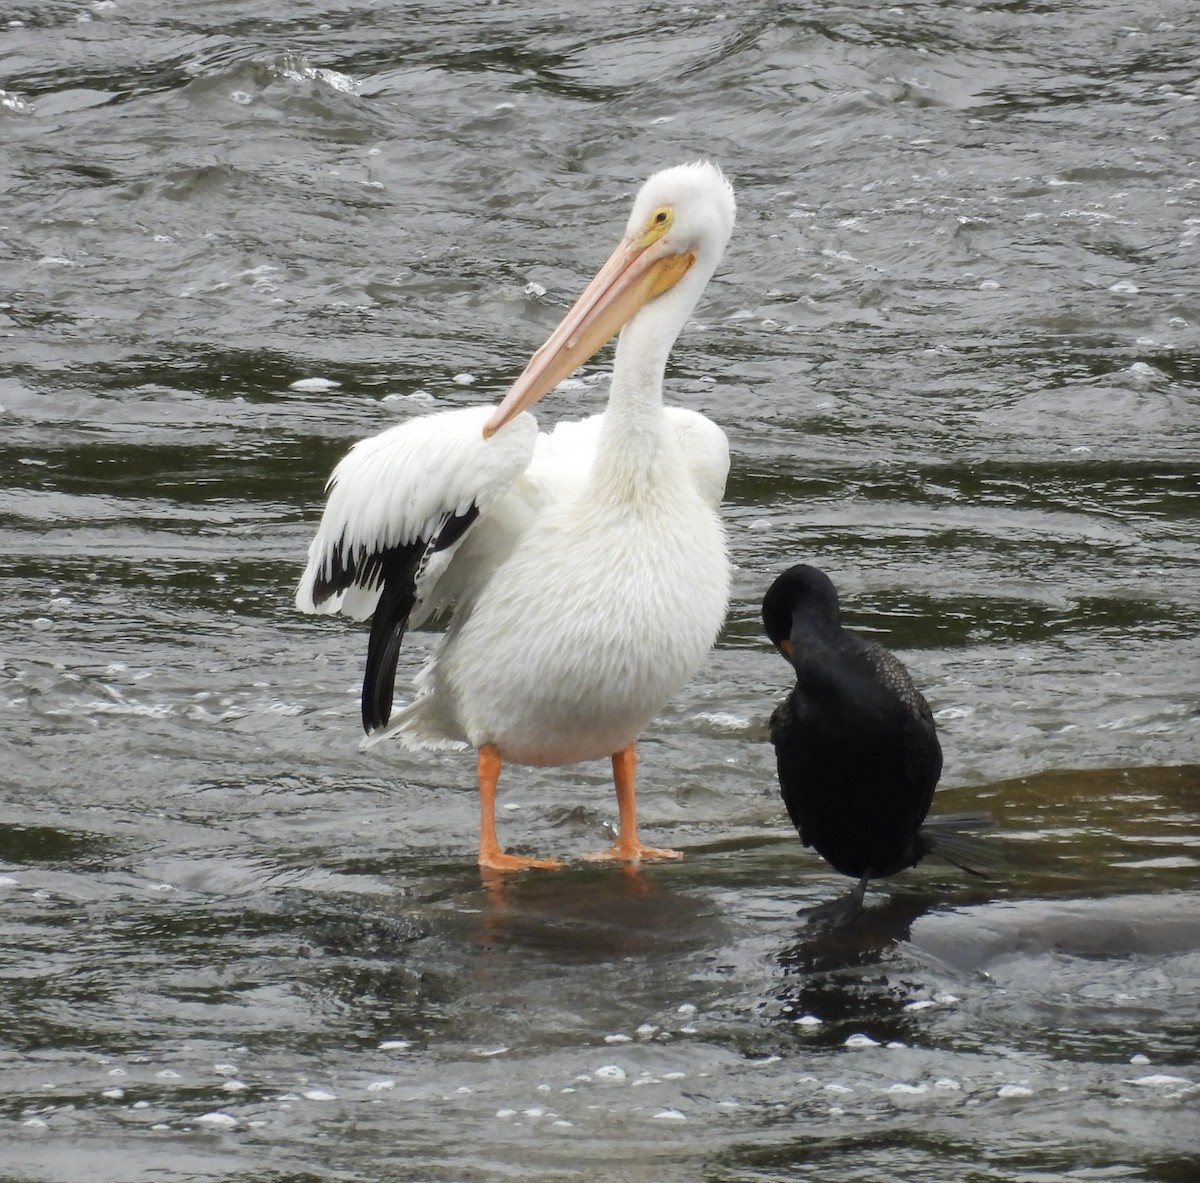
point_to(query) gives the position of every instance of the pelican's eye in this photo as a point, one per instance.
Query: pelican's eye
(659, 223)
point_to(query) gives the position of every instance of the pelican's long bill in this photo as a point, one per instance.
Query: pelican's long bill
(635, 273)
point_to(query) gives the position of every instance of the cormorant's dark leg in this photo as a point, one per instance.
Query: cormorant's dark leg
(840, 911)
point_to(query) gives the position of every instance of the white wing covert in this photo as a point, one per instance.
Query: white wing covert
(705, 448)
(399, 505)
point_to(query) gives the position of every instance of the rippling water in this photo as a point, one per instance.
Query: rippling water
(955, 347)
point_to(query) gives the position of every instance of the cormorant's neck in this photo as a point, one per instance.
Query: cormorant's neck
(816, 631)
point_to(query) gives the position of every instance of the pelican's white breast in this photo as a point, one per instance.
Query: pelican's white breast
(600, 614)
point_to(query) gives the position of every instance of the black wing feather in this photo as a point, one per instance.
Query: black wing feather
(397, 568)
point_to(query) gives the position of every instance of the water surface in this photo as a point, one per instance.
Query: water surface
(954, 345)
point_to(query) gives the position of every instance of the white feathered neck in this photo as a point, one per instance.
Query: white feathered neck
(631, 453)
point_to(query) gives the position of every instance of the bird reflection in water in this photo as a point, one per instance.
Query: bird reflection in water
(591, 914)
(850, 975)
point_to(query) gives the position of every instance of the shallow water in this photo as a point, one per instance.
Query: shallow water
(954, 345)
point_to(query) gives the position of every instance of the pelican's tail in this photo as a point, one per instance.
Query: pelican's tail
(420, 726)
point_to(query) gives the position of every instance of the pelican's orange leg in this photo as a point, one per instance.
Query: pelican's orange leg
(490, 855)
(627, 848)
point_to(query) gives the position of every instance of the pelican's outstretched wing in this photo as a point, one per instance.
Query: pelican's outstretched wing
(399, 505)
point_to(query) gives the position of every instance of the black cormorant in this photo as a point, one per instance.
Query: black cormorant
(856, 746)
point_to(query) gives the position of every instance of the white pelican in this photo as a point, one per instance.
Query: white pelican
(586, 566)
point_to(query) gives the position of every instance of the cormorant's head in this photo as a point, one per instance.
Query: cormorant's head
(800, 591)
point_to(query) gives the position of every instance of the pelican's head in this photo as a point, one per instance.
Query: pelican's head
(676, 234)
(688, 209)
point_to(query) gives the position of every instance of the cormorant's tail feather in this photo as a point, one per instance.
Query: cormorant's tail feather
(953, 837)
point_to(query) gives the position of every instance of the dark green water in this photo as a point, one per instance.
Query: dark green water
(955, 347)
